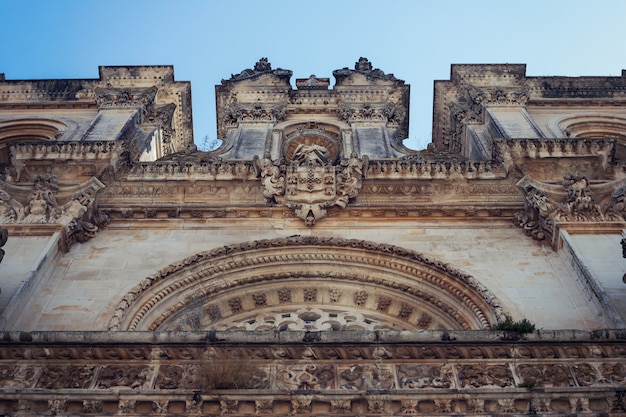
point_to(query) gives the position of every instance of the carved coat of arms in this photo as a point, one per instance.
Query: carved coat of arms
(311, 182)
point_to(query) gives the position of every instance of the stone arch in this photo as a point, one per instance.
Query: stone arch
(596, 126)
(307, 283)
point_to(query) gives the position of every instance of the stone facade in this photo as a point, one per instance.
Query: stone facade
(312, 264)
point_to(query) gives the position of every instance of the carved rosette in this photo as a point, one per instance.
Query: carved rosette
(575, 200)
(312, 183)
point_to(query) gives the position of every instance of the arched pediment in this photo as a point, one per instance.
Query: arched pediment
(307, 283)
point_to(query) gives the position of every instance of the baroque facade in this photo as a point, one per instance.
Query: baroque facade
(312, 264)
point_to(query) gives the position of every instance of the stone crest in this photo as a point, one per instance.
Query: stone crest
(313, 180)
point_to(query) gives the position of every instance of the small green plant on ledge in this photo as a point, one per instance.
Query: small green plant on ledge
(528, 383)
(521, 326)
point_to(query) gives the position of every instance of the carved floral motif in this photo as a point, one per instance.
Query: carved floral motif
(58, 377)
(361, 377)
(305, 377)
(424, 376)
(481, 375)
(134, 377)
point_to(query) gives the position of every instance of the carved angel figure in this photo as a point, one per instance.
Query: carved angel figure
(273, 182)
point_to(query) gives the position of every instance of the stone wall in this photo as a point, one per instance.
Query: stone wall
(530, 280)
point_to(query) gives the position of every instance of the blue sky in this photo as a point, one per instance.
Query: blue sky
(207, 41)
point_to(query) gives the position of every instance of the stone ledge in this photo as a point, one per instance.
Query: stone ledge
(452, 337)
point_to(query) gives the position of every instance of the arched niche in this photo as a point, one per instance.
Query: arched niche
(597, 126)
(28, 130)
(325, 137)
(308, 283)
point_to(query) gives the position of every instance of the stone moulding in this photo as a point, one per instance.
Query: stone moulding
(412, 167)
(208, 277)
(510, 152)
(215, 169)
(408, 168)
(104, 154)
(353, 373)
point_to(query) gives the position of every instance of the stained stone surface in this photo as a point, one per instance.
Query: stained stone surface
(312, 264)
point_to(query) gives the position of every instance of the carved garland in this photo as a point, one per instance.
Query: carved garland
(426, 280)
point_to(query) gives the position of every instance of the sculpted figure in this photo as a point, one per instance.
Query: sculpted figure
(273, 182)
(42, 207)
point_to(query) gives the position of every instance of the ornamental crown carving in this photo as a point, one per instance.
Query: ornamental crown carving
(262, 66)
(364, 66)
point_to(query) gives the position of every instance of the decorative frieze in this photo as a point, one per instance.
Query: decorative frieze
(419, 373)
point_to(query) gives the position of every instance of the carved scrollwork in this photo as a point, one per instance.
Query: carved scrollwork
(305, 377)
(57, 377)
(546, 375)
(574, 200)
(483, 375)
(124, 97)
(424, 376)
(40, 205)
(312, 182)
(389, 113)
(135, 377)
(362, 377)
(238, 113)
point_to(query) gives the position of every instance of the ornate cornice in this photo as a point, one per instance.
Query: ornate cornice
(115, 98)
(509, 152)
